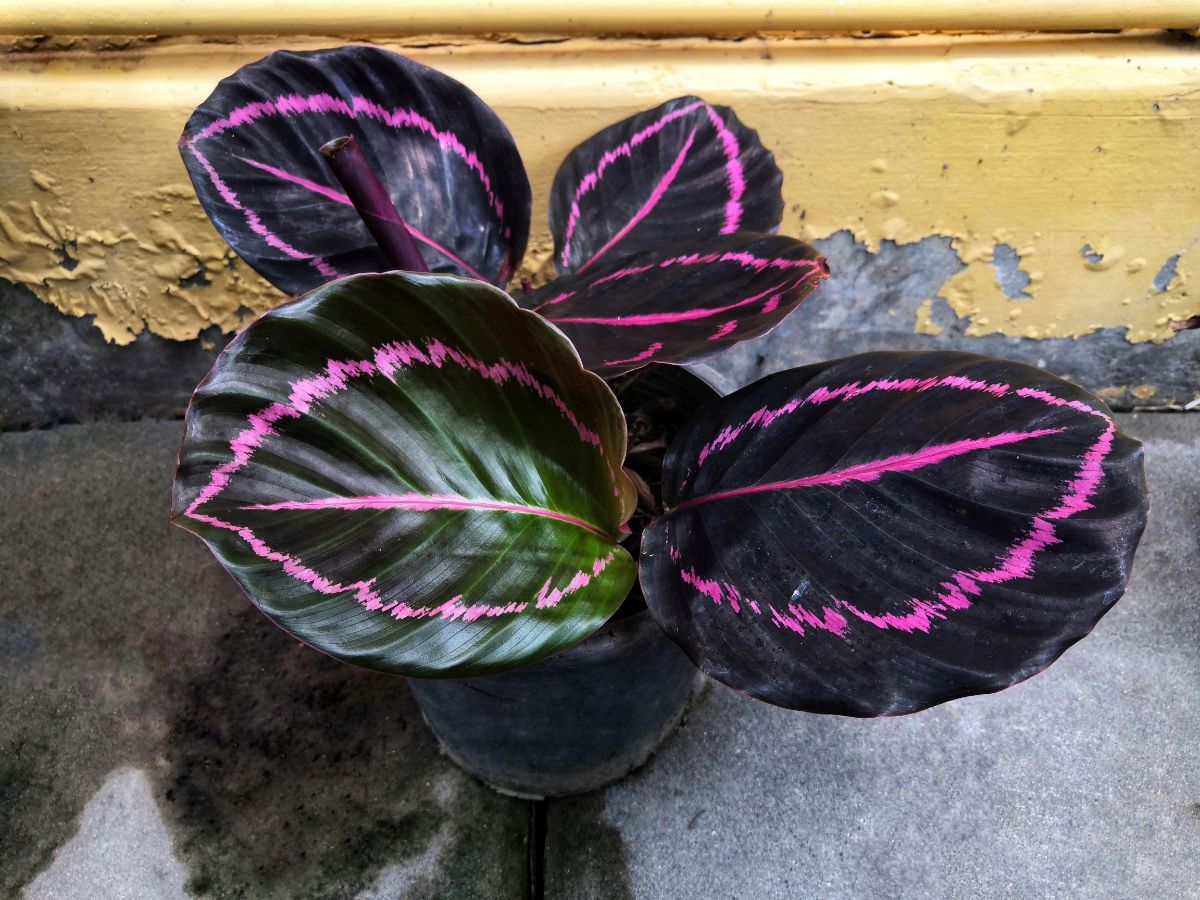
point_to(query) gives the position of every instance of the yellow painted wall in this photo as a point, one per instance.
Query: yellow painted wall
(1043, 143)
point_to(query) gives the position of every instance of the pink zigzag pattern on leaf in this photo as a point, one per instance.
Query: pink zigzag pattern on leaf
(296, 104)
(591, 179)
(1017, 562)
(735, 179)
(765, 417)
(656, 195)
(386, 361)
(548, 597)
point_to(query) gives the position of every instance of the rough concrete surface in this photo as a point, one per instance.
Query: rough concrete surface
(60, 369)
(56, 368)
(871, 303)
(142, 696)
(159, 738)
(1082, 782)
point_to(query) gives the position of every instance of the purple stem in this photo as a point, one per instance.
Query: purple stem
(374, 204)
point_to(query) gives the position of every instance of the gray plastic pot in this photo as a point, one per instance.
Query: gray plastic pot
(585, 717)
(575, 722)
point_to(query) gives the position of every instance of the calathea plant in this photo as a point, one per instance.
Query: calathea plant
(416, 473)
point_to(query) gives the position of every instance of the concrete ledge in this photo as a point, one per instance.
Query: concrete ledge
(1056, 171)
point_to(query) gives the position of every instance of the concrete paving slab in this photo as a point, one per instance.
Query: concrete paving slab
(1082, 782)
(146, 709)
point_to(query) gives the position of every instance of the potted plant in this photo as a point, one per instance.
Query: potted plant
(532, 509)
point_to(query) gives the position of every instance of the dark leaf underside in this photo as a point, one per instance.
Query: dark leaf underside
(882, 533)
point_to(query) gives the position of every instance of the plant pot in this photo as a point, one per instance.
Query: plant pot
(590, 715)
(575, 722)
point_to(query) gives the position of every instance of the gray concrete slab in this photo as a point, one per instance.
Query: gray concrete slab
(158, 736)
(1082, 782)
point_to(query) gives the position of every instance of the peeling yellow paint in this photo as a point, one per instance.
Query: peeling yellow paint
(1046, 144)
(130, 280)
(925, 323)
(1144, 391)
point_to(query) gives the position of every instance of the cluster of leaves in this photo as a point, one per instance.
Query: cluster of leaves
(416, 473)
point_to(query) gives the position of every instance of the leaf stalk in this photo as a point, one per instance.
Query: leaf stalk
(374, 205)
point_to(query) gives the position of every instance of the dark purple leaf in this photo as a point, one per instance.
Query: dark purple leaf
(412, 474)
(449, 164)
(882, 533)
(685, 169)
(690, 301)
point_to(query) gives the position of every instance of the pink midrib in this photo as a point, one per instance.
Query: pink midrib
(652, 201)
(591, 179)
(670, 318)
(901, 462)
(427, 502)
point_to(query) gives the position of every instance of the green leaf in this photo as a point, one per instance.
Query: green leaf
(410, 473)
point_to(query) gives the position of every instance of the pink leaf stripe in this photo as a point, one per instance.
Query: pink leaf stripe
(735, 178)
(425, 503)
(338, 197)
(651, 201)
(256, 224)
(327, 104)
(386, 361)
(646, 354)
(804, 269)
(644, 319)
(745, 260)
(962, 588)
(764, 417)
(902, 462)
(560, 298)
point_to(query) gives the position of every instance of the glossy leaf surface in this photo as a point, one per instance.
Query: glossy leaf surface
(680, 304)
(882, 533)
(683, 170)
(448, 163)
(412, 474)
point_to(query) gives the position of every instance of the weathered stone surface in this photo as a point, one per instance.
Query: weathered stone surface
(1083, 782)
(56, 369)
(871, 301)
(133, 670)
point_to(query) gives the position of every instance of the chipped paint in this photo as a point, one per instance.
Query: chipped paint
(1036, 143)
(153, 265)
